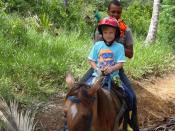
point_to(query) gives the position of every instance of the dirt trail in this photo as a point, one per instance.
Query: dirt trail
(156, 99)
(156, 103)
(163, 88)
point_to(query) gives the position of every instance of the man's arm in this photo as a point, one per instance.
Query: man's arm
(128, 44)
(129, 51)
(97, 36)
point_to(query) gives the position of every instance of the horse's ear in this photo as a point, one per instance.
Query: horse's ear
(95, 86)
(70, 80)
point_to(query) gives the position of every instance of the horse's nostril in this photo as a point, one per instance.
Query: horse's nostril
(65, 112)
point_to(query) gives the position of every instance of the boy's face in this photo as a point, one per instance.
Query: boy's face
(109, 34)
(115, 11)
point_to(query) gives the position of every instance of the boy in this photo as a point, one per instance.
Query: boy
(107, 55)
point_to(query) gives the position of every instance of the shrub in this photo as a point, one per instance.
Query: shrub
(138, 16)
(13, 28)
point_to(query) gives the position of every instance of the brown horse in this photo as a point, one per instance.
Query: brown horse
(90, 108)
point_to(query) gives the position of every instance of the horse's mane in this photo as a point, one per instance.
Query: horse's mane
(104, 107)
(72, 91)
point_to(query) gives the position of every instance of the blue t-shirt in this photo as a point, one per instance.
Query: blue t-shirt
(104, 55)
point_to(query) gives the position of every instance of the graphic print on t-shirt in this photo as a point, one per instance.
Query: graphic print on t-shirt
(106, 57)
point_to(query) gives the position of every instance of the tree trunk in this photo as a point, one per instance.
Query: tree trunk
(65, 3)
(151, 37)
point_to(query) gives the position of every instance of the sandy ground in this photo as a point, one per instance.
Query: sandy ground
(156, 102)
(156, 99)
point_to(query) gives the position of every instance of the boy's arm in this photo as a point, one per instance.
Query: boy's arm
(93, 64)
(117, 66)
(110, 69)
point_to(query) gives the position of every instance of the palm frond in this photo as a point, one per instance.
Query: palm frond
(14, 119)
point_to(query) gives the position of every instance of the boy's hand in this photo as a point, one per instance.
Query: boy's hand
(108, 70)
(98, 70)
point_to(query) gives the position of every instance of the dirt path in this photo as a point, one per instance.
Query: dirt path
(163, 88)
(156, 103)
(156, 99)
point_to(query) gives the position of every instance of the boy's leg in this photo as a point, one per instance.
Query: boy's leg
(132, 96)
(65, 128)
(87, 75)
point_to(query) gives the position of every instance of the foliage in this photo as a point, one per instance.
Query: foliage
(154, 59)
(14, 119)
(167, 22)
(12, 27)
(138, 16)
(20, 6)
(36, 69)
(33, 61)
(76, 16)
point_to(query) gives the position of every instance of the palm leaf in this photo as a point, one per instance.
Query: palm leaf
(15, 120)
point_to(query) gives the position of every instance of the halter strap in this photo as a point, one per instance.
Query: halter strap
(74, 99)
(77, 100)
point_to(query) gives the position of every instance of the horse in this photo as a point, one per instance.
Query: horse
(91, 108)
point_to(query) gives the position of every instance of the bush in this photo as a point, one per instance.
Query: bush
(167, 23)
(138, 16)
(154, 59)
(13, 28)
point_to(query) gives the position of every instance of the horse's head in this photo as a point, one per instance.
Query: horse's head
(79, 103)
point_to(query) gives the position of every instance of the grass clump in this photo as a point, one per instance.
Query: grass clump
(152, 59)
(36, 68)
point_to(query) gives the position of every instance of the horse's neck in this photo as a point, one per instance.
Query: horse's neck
(105, 102)
(104, 110)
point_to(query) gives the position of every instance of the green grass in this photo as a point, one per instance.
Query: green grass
(35, 70)
(150, 60)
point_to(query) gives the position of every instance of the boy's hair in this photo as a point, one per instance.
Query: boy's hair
(106, 27)
(115, 2)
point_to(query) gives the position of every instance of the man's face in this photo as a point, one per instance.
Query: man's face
(109, 34)
(115, 11)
